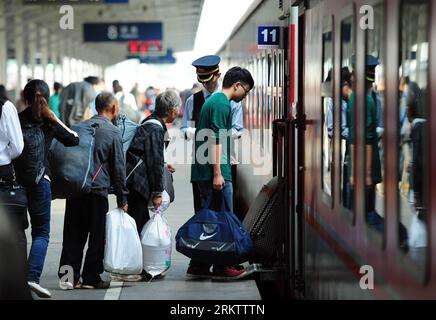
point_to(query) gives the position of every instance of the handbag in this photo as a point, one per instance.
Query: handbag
(14, 196)
(13, 199)
(215, 237)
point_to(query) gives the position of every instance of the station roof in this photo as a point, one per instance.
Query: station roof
(180, 20)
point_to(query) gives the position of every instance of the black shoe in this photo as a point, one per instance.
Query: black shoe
(101, 285)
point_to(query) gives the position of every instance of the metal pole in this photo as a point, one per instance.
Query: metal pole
(43, 48)
(19, 53)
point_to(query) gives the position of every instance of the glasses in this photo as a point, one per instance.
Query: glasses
(245, 90)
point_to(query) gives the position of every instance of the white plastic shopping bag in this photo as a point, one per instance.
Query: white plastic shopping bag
(122, 252)
(156, 244)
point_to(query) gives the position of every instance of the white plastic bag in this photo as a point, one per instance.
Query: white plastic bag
(156, 245)
(122, 252)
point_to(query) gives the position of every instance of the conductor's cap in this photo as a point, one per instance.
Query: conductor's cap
(207, 67)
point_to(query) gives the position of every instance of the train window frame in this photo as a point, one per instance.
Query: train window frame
(280, 111)
(328, 26)
(254, 101)
(348, 12)
(375, 238)
(423, 275)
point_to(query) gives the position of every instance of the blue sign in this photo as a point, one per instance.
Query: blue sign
(268, 37)
(168, 58)
(122, 32)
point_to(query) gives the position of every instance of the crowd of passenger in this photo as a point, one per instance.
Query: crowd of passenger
(27, 132)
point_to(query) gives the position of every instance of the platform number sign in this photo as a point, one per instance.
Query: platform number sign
(268, 37)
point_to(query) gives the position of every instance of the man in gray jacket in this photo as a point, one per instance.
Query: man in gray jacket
(88, 212)
(76, 98)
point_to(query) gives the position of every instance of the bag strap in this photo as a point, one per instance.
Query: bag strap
(137, 165)
(95, 126)
(154, 121)
(216, 195)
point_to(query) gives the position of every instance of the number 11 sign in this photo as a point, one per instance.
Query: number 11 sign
(268, 37)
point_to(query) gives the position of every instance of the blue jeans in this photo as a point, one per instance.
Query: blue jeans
(39, 206)
(208, 194)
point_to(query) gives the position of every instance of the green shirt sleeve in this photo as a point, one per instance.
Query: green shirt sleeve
(220, 116)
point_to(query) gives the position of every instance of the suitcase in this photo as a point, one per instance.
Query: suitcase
(265, 219)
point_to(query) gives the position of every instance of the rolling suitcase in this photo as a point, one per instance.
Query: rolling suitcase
(265, 219)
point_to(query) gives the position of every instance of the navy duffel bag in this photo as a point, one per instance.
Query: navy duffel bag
(215, 237)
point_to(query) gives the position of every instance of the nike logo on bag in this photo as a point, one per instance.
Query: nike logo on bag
(219, 249)
(204, 237)
(193, 246)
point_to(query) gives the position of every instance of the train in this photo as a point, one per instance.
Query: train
(343, 107)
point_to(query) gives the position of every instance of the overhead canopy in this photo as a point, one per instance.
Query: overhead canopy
(180, 19)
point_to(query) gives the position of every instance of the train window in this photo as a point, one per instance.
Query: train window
(327, 101)
(276, 85)
(345, 112)
(263, 106)
(259, 97)
(269, 100)
(413, 129)
(374, 123)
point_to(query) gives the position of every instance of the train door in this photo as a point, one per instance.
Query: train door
(288, 133)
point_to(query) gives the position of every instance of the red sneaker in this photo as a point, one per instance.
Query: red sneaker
(228, 273)
(198, 273)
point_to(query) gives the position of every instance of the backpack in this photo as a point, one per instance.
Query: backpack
(29, 165)
(72, 168)
(128, 130)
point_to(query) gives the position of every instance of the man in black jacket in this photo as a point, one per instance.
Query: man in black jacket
(88, 212)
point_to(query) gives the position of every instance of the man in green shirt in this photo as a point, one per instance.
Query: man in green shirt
(373, 174)
(211, 166)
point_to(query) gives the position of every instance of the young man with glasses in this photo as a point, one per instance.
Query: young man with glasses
(213, 176)
(208, 74)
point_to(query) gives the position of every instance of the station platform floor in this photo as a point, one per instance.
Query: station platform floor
(173, 287)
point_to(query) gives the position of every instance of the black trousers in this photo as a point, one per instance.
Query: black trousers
(197, 197)
(138, 209)
(85, 215)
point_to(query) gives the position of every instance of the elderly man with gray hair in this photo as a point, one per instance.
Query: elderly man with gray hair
(145, 159)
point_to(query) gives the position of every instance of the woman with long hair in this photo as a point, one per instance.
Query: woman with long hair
(39, 126)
